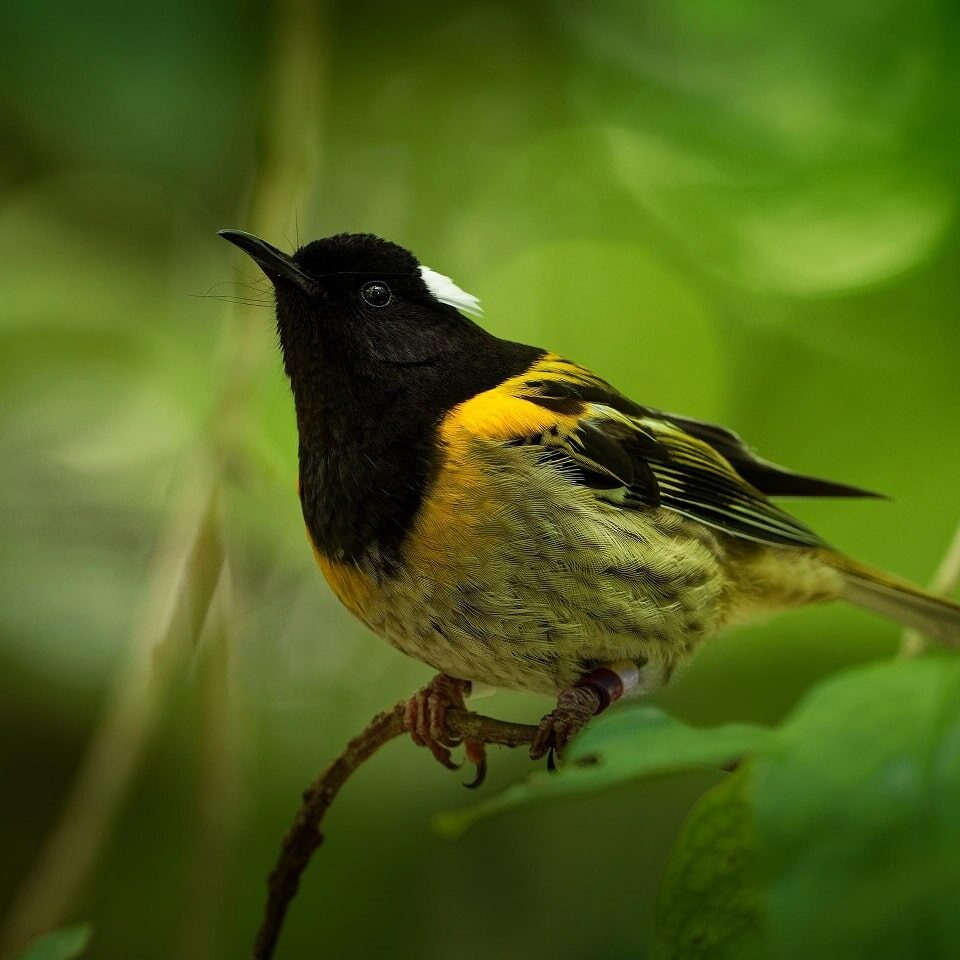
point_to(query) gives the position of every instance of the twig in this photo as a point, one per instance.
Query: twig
(304, 836)
(944, 582)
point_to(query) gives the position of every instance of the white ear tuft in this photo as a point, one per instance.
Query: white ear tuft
(446, 291)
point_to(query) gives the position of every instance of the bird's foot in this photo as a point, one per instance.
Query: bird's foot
(574, 710)
(577, 705)
(425, 719)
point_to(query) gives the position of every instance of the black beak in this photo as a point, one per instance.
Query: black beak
(276, 264)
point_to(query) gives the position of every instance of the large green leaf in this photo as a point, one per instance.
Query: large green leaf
(67, 943)
(856, 806)
(709, 904)
(621, 747)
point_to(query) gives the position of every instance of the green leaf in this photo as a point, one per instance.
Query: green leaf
(63, 944)
(856, 809)
(709, 905)
(621, 747)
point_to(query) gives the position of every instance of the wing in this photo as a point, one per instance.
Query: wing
(558, 382)
(643, 462)
(772, 479)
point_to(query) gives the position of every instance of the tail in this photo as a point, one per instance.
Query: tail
(899, 600)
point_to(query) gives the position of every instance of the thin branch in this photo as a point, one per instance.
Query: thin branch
(944, 581)
(304, 836)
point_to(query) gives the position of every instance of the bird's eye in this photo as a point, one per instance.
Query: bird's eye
(376, 293)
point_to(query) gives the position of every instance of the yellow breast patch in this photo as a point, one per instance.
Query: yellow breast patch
(354, 588)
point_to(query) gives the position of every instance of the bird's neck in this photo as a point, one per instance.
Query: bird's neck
(364, 455)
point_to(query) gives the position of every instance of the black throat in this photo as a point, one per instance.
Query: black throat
(368, 440)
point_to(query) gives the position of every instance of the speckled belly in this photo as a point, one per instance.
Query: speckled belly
(516, 577)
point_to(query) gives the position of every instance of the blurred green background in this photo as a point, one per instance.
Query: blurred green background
(745, 211)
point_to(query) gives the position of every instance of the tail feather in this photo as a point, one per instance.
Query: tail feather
(896, 599)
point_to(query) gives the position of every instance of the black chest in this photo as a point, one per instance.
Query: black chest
(368, 442)
(361, 487)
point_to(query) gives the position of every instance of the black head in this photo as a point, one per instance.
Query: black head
(361, 304)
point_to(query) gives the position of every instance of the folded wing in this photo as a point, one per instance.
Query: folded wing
(636, 457)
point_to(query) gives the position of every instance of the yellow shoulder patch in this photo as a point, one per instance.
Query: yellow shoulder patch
(503, 413)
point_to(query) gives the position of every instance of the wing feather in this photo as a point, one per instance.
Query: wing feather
(772, 479)
(560, 380)
(638, 460)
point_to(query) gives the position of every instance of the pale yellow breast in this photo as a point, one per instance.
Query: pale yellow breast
(516, 577)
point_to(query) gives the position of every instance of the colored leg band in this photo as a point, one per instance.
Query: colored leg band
(611, 682)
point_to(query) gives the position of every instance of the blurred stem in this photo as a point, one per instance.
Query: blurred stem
(221, 788)
(176, 610)
(944, 581)
(287, 172)
(184, 578)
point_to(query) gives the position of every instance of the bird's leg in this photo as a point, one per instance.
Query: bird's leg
(576, 705)
(426, 721)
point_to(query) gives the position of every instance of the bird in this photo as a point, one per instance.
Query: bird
(508, 517)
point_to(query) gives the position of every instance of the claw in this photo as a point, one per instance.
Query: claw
(442, 755)
(476, 753)
(480, 775)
